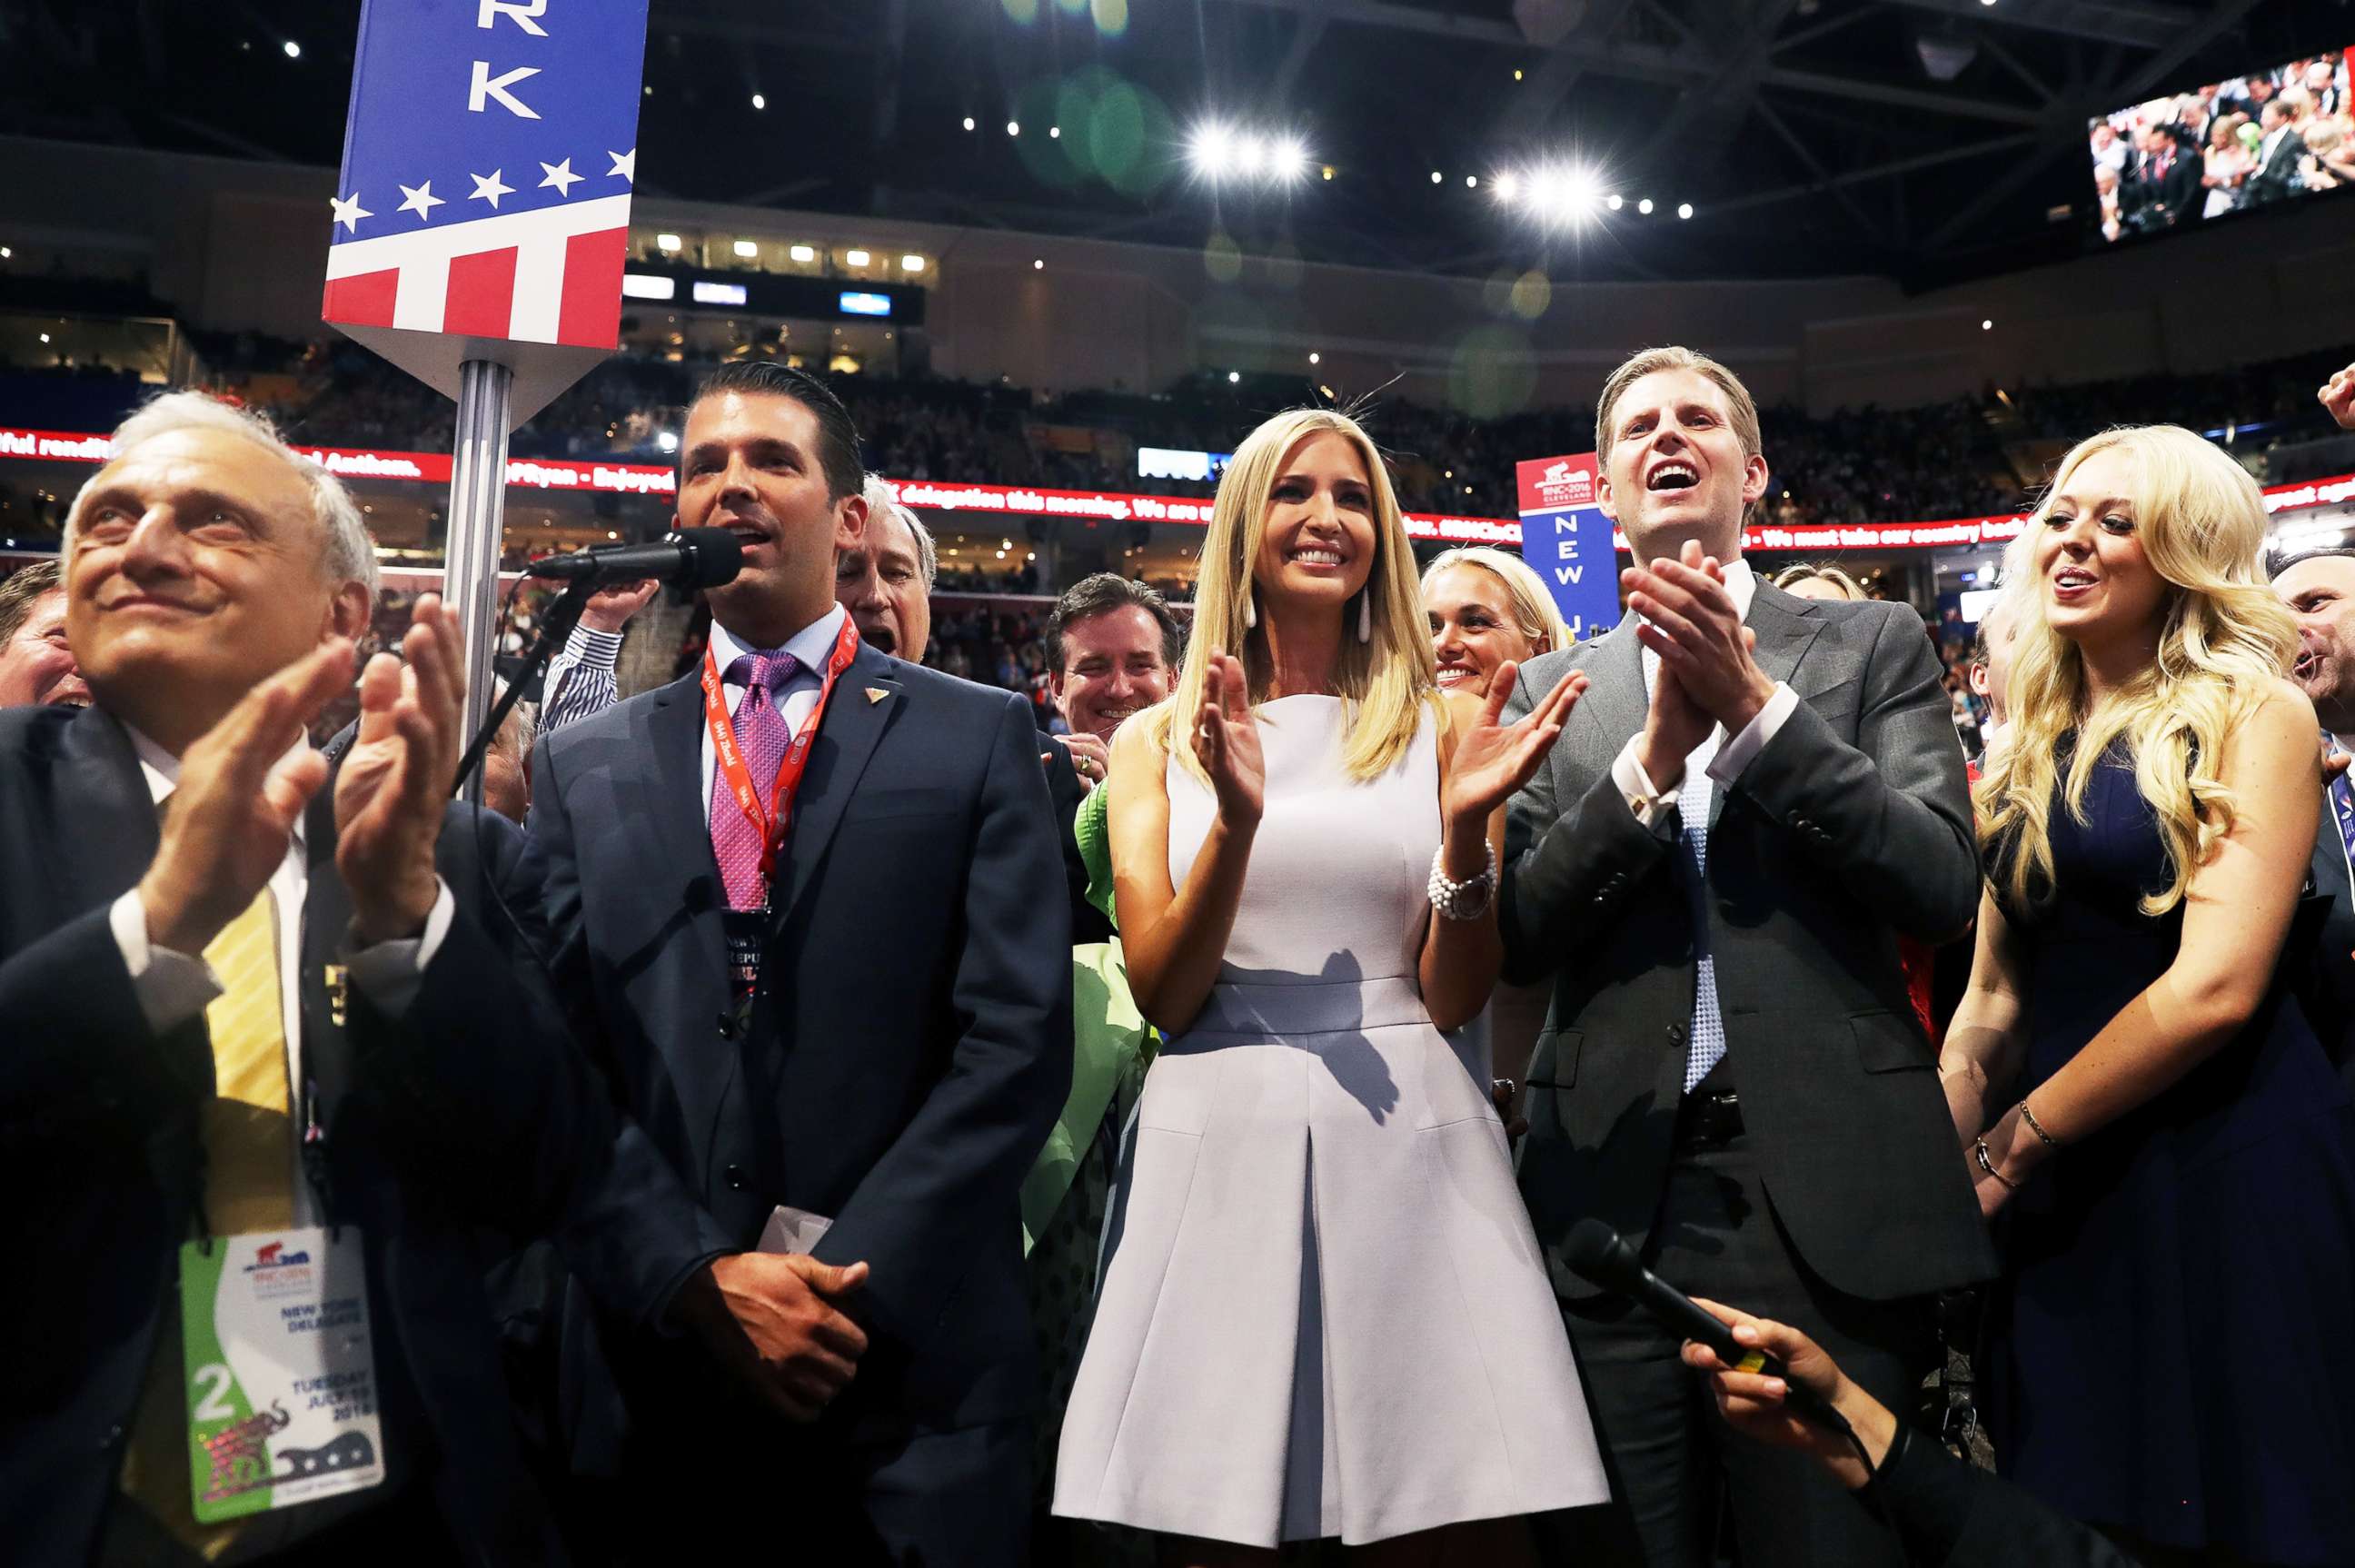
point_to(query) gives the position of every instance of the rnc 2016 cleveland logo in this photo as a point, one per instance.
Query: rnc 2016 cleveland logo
(1566, 483)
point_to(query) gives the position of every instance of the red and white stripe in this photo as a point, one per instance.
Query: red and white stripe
(553, 275)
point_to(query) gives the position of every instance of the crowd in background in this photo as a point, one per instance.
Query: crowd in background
(2243, 142)
(1977, 456)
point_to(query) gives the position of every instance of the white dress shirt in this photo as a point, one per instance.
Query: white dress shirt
(1724, 760)
(173, 987)
(796, 699)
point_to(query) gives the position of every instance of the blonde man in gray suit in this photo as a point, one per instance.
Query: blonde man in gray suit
(1759, 794)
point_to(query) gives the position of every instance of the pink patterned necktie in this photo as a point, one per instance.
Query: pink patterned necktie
(762, 737)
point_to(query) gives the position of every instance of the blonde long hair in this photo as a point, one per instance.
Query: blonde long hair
(1525, 591)
(1389, 683)
(2201, 520)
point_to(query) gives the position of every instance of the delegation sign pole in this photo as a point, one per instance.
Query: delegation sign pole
(480, 223)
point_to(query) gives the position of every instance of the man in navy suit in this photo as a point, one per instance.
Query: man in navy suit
(242, 993)
(809, 903)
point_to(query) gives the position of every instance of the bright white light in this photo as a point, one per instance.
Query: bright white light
(45, 337)
(1644, 207)
(6, 252)
(668, 441)
(857, 258)
(759, 102)
(803, 252)
(1232, 375)
(747, 248)
(294, 50)
(1506, 187)
(1472, 182)
(1434, 176)
(1986, 326)
(1014, 127)
(647, 286)
(968, 122)
(669, 242)
(1614, 201)
(1684, 209)
(1313, 357)
(1054, 132)
(1255, 155)
(1211, 149)
(1038, 264)
(912, 263)
(1585, 190)
(1291, 158)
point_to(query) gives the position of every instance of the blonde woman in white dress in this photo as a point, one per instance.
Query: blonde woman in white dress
(1322, 1312)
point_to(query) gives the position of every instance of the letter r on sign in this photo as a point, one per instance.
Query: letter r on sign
(523, 11)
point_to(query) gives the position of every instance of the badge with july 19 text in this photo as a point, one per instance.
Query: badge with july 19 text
(280, 1393)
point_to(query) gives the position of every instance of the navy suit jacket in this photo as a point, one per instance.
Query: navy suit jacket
(908, 1050)
(2320, 954)
(456, 1116)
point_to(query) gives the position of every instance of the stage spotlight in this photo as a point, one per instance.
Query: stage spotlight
(968, 122)
(747, 248)
(1054, 132)
(1210, 150)
(1644, 207)
(912, 263)
(1038, 264)
(1986, 326)
(759, 102)
(1434, 176)
(857, 258)
(1684, 209)
(1014, 127)
(668, 243)
(293, 49)
(1233, 377)
(1313, 357)
(1256, 157)
(1614, 201)
(804, 253)
(1507, 186)
(1291, 158)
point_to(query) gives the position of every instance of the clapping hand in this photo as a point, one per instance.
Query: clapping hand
(1226, 742)
(1493, 758)
(392, 788)
(2337, 396)
(238, 797)
(1690, 620)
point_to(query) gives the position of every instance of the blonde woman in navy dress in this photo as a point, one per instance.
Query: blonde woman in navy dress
(1322, 1312)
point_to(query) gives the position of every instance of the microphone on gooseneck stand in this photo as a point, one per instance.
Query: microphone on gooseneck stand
(1600, 1256)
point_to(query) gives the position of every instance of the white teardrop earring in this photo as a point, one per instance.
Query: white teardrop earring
(1366, 614)
(1251, 610)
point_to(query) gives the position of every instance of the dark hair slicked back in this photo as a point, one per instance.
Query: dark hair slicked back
(1101, 595)
(838, 438)
(24, 588)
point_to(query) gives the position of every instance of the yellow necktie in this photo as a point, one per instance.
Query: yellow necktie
(247, 1186)
(249, 1135)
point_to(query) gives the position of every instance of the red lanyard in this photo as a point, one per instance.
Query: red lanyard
(775, 822)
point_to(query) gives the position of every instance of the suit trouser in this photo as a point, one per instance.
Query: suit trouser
(810, 1495)
(1672, 1462)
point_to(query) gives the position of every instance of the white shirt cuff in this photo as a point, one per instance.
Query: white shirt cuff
(172, 988)
(390, 972)
(587, 646)
(1636, 784)
(1736, 754)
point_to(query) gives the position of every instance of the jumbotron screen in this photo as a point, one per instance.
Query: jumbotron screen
(2271, 136)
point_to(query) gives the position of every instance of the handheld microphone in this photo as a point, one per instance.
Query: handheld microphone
(1600, 1256)
(691, 558)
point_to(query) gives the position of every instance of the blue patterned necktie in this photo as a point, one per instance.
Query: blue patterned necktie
(1706, 1047)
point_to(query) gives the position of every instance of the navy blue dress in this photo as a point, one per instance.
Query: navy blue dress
(2172, 1334)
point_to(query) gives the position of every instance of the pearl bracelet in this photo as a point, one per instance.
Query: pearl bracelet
(1461, 901)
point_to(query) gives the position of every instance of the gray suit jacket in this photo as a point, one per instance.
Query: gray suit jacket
(2320, 970)
(1850, 828)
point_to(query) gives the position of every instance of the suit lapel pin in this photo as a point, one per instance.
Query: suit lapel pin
(877, 693)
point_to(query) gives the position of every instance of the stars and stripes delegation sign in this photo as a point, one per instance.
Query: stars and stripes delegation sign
(489, 158)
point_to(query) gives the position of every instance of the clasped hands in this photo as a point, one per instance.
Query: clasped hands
(1707, 676)
(777, 1321)
(243, 786)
